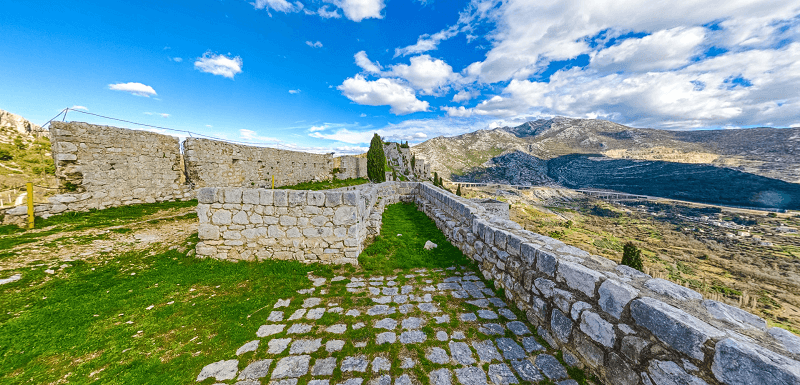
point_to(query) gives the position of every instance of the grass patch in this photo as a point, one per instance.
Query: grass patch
(89, 324)
(326, 185)
(389, 251)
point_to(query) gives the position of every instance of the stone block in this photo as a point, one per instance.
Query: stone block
(221, 217)
(280, 198)
(614, 296)
(546, 262)
(632, 348)
(528, 253)
(579, 277)
(208, 232)
(619, 372)
(786, 338)
(241, 218)
(734, 315)
(598, 329)
(563, 299)
(265, 197)
(333, 198)
(233, 195)
(673, 326)
(672, 290)
(591, 353)
(207, 195)
(350, 198)
(577, 308)
(345, 215)
(251, 196)
(740, 363)
(669, 373)
(513, 243)
(561, 326)
(316, 198)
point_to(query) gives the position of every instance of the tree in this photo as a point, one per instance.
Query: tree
(632, 256)
(458, 190)
(435, 178)
(413, 162)
(376, 159)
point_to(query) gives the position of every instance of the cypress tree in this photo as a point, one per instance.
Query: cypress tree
(413, 162)
(458, 190)
(632, 256)
(435, 178)
(376, 160)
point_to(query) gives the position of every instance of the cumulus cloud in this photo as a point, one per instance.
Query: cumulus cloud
(137, 89)
(78, 108)
(176, 59)
(382, 92)
(358, 10)
(426, 42)
(661, 51)
(217, 64)
(314, 44)
(367, 65)
(465, 95)
(278, 5)
(324, 13)
(430, 76)
(294, 92)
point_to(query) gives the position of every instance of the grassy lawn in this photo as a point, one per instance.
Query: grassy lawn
(327, 185)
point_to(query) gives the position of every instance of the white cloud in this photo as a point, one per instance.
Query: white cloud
(78, 108)
(661, 51)
(137, 89)
(163, 115)
(464, 96)
(426, 42)
(367, 65)
(314, 44)
(219, 64)
(324, 13)
(430, 76)
(412, 130)
(382, 92)
(209, 126)
(363, 115)
(278, 5)
(176, 59)
(358, 10)
(294, 92)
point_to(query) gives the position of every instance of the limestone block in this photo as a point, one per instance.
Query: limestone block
(333, 198)
(669, 373)
(286, 220)
(233, 195)
(672, 290)
(280, 198)
(221, 217)
(241, 218)
(673, 326)
(528, 253)
(546, 262)
(739, 362)
(206, 195)
(591, 353)
(619, 372)
(734, 315)
(545, 286)
(598, 329)
(579, 277)
(265, 197)
(208, 232)
(345, 215)
(786, 338)
(615, 295)
(632, 348)
(297, 198)
(251, 196)
(561, 326)
(316, 198)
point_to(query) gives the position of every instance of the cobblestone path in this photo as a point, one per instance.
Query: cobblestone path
(430, 327)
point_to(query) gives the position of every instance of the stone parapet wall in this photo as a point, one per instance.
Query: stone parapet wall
(619, 323)
(315, 226)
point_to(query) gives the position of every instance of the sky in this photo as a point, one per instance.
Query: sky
(325, 75)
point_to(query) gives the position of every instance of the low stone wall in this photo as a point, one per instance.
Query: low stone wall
(326, 226)
(623, 325)
(619, 323)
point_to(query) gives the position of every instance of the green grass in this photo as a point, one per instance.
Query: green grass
(389, 252)
(75, 325)
(326, 185)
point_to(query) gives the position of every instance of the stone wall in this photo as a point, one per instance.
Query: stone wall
(325, 226)
(620, 324)
(211, 163)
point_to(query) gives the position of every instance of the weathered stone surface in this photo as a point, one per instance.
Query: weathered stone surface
(221, 370)
(248, 347)
(268, 330)
(441, 335)
(508, 314)
(292, 366)
(315, 313)
(577, 308)
(412, 337)
(440, 377)
(486, 351)
(510, 349)
(381, 364)
(619, 372)
(312, 382)
(287, 381)
(615, 295)
(550, 366)
(412, 323)
(336, 329)
(545, 286)
(598, 329)
(468, 317)
(428, 307)
(334, 346)
(382, 380)
(256, 370)
(305, 346)
(380, 310)
(588, 350)
(527, 371)
(739, 363)
(501, 374)
(352, 381)
(275, 316)
(786, 338)
(354, 364)
(561, 326)
(461, 353)
(531, 345)
(487, 314)
(672, 290)
(673, 326)
(497, 302)
(298, 314)
(278, 345)
(386, 323)
(734, 315)
(518, 328)
(298, 329)
(579, 277)
(669, 373)
(492, 329)
(632, 348)
(386, 338)
(324, 367)
(546, 262)
(311, 302)
(471, 376)
(438, 356)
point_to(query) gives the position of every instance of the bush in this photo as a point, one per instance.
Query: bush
(632, 256)
(458, 190)
(6, 155)
(376, 160)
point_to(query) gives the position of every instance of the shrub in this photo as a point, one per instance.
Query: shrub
(632, 256)
(458, 190)
(6, 155)
(376, 160)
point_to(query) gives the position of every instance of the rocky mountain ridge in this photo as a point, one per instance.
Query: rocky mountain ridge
(19, 124)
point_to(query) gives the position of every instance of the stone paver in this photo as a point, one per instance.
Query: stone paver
(400, 310)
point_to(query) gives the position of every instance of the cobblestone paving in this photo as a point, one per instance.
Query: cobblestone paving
(422, 326)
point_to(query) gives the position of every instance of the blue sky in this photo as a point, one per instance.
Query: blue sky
(324, 75)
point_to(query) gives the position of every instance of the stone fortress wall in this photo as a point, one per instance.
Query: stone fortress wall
(103, 166)
(621, 324)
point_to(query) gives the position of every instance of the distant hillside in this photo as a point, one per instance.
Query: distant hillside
(696, 162)
(24, 157)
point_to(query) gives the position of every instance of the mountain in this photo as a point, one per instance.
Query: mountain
(688, 164)
(24, 157)
(19, 124)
